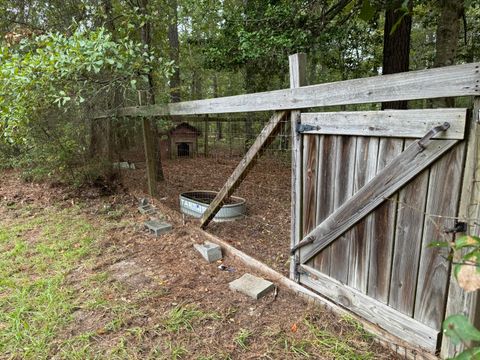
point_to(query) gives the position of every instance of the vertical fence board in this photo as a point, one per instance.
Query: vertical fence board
(409, 228)
(310, 164)
(442, 200)
(325, 189)
(344, 175)
(360, 235)
(383, 230)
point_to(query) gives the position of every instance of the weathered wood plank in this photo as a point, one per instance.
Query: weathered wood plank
(343, 188)
(265, 137)
(458, 80)
(326, 193)
(459, 301)
(401, 170)
(408, 234)
(385, 317)
(297, 63)
(383, 229)
(443, 196)
(310, 172)
(388, 123)
(361, 233)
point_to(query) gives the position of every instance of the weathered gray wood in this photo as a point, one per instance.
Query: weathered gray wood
(343, 187)
(459, 301)
(383, 229)
(459, 80)
(388, 123)
(408, 234)
(443, 196)
(265, 137)
(310, 172)
(361, 233)
(149, 148)
(387, 318)
(401, 170)
(326, 194)
(297, 63)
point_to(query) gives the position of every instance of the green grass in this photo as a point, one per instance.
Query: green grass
(182, 317)
(36, 255)
(242, 338)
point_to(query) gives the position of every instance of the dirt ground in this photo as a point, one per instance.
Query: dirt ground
(138, 296)
(265, 233)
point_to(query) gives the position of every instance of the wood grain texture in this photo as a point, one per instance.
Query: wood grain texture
(459, 301)
(458, 80)
(387, 318)
(383, 229)
(310, 172)
(408, 235)
(266, 136)
(395, 175)
(361, 233)
(327, 159)
(343, 190)
(297, 66)
(388, 123)
(442, 201)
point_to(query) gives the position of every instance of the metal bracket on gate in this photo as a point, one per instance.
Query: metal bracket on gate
(300, 128)
(429, 135)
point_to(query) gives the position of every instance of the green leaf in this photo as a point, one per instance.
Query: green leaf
(368, 11)
(469, 354)
(467, 241)
(439, 244)
(459, 329)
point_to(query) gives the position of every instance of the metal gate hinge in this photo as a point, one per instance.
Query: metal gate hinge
(458, 227)
(300, 128)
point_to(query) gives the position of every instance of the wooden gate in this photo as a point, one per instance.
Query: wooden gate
(377, 188)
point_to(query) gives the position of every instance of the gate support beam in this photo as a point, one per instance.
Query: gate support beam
(298, 78)
(263, 140)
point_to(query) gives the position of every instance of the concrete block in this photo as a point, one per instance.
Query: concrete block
(210, 251)
(158, 227)
(146, 209)
(252, 286)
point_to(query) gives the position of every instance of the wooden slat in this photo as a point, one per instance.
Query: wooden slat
(408, 235)
(383, 229)
(361, 234)
(264, 139)
(326, 193)
(401, 170)
(310, 162)
(385, 317)
(343, 188)
(388, 123)
(459, 301)
(297, 63)
(443, 196)
(458, 80)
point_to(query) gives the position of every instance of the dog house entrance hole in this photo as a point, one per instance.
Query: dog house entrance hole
(183, 149)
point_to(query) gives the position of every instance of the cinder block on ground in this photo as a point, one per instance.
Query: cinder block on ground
(146, 209)
(252, 286)
(210, 251)
(158, 227)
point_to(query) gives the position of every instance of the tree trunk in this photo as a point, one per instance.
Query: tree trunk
(147, 40)
(396, 44)
(448, 31)
(174, 50)
(218, 128)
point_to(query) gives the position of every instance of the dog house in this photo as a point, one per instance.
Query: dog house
(181, 141)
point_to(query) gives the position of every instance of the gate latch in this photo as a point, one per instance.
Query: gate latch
(458, 227)
(300, 128)
(429, 135)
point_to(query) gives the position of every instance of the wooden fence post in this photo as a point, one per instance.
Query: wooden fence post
(297, 64)
(459, 301)
(205, 138)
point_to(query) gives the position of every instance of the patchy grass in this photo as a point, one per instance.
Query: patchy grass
(36, 255)
(242, 337)
(182, 317)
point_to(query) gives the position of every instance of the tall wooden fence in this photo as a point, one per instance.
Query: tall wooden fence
(370, 191)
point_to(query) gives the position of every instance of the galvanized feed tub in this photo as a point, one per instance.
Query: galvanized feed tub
(195, 203)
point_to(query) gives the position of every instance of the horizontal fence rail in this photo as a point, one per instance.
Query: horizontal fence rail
(450, 81)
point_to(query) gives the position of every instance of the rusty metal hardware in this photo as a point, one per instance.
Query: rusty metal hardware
(423, 142)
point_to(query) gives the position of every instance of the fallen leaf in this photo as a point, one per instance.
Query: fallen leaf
(294, 328)
(468, 277)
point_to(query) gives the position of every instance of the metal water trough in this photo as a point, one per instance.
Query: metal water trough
(195, 203)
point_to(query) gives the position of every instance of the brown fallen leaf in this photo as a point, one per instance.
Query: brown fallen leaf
(468, 277)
